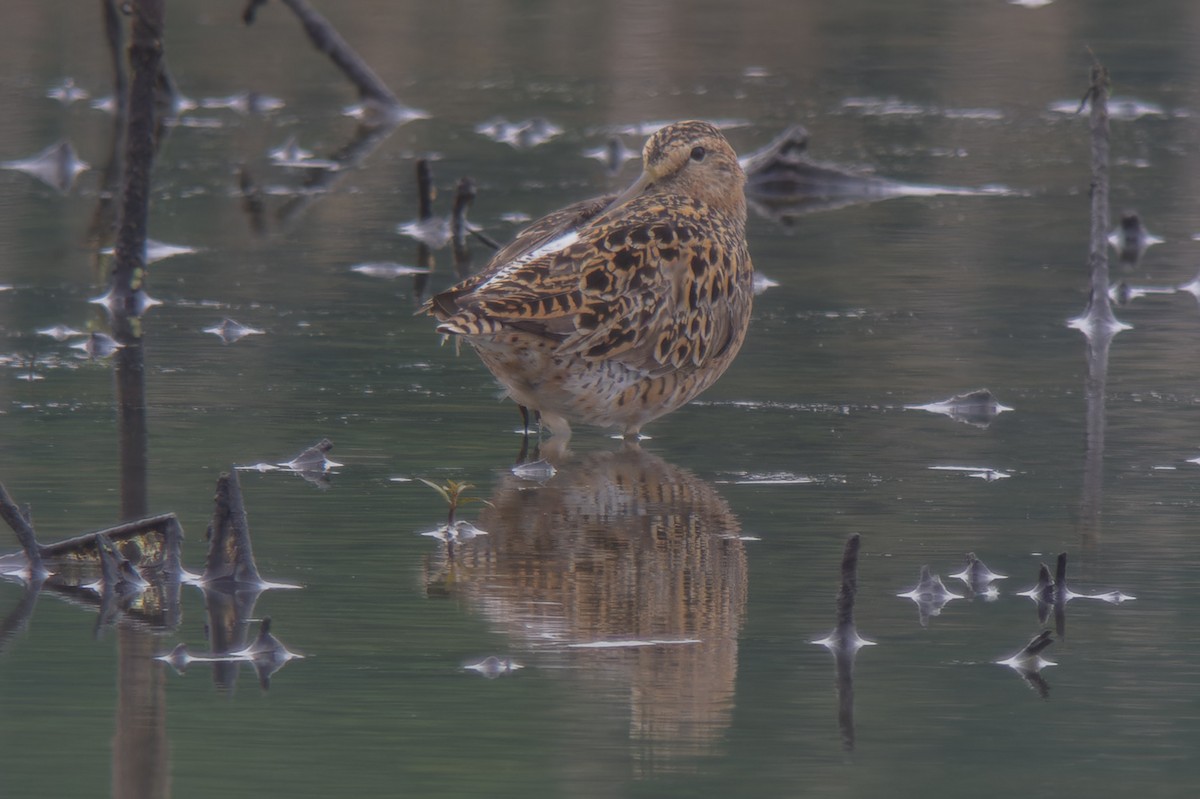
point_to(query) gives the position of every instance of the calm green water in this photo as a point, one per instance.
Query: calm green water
(804, 441)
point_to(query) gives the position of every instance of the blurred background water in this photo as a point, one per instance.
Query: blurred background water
(721, 539)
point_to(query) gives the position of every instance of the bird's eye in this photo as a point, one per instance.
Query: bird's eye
(698, 154)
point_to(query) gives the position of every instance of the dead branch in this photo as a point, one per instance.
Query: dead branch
(1097, 98)
(19, 522)
(849, 588)
(145, 58)
(113, 34)
(425, 190)
(164, 526)
(230, 557)
(326, 39)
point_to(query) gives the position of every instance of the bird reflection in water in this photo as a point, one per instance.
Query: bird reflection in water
(628, 571)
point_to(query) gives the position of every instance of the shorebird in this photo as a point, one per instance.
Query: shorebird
(617, 310)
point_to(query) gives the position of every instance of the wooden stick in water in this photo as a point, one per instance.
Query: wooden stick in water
(18, 520)
(145, 57)
(849, 587)
(1100, 306)
(326, 39)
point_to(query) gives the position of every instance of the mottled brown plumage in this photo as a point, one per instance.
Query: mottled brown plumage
(613, 312)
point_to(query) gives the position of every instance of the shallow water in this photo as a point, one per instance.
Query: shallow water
(716, 549)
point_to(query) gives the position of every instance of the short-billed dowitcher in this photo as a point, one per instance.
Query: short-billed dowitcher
(615, 311)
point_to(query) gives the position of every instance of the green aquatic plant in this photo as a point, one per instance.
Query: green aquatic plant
(453, 492)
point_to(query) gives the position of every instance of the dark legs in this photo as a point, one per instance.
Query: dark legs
(523, 456)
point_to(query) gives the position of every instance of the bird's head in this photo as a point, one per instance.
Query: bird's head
(693, 159)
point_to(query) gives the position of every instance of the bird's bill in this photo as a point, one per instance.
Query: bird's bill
(639, 185)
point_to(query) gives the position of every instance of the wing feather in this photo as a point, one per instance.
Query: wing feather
(544, 230)
(656, 290)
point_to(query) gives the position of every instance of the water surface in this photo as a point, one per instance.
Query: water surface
(718, 545)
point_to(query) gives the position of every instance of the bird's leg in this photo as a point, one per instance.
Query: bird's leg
(537, 448)
(522, 456)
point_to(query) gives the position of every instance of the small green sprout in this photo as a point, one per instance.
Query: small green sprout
(452, 492)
